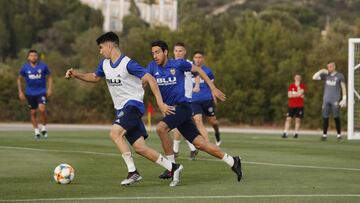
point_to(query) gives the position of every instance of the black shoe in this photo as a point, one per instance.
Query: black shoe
(37, 136)
(193, 154)
(339, 138)
(237, 167)
(176, 154)
(323, 138)
(44, 134)
(296, 135)
(284, 135)
(166, 175)
(132, 178)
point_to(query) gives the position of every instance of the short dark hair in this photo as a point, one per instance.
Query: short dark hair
(32, 51)
(108, 37)
(179, 44)
(198, 52)
(160, 44)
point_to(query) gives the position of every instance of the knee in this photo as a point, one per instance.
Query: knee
(114, 135)
(139, 149)
(161, 130)
(288, 119)
(199, 143)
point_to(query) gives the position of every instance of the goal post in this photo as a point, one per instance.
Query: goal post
(353, 130)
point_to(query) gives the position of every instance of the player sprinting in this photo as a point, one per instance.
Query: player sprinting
(38, 82)
(169, 75)
(180, 53)
(332, 100)
(124, 78)
(203, 102)
(296, 92)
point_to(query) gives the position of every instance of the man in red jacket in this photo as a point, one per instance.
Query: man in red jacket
(295, 105)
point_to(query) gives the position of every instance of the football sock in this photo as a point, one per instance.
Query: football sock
(176, 146)
(129, 161)
(338, 125)
(36, 130)
(191, 146)
(325, 125)
(228, 159)
(164, 162)
(43, 128)
(171, 158)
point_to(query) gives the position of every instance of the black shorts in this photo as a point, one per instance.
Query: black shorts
(182, 120)
(297, 112)
(204, 107)
(129, 118)
(35, 100)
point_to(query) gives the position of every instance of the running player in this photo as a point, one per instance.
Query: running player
(332, 100)
(38, 87)
(124, 78)
(169, 75)
(295, 105)
(203, 102)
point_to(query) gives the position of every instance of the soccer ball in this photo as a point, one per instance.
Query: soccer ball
(64, 174)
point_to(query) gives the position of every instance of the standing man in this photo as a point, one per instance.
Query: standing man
(124, 78)
(203, 102)
(38, 87)
(295, 105)
(169, 75)
(180, 53)
(332, 100)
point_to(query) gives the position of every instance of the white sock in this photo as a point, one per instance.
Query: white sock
(324, 135)
(129, 161)
(36, 130)
(43, 128)
(191, 146)
(171, 158)
(164, 162)
(176, 146)
(228, 159)
(338, 135)
(285, 131)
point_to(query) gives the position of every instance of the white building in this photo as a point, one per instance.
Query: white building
(161, 12)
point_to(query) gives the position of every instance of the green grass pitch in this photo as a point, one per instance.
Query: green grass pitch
(275, 170)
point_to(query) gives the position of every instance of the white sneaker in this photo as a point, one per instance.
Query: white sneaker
(44, 134)
(218, 143)
(132, 178)
(176, 175)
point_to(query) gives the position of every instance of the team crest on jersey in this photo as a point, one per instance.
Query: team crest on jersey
(29, 72)
(172, 71)
(120, 114)
(39, 71)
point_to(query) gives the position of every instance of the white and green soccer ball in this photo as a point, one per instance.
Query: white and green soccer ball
(64, 174)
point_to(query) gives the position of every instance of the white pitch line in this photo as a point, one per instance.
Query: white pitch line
(201, 159)
(180, 197)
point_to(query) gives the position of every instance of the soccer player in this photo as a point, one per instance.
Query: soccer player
(295, 105)
(124, 78)
(203, 102)
(38, 87)
(180, 53)
(169, 75)
(332, 100)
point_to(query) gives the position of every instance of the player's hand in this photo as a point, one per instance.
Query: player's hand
(324, 71)
(196, 88)
(70, 73)
(166, 110)
(218, 94)
(48, 93)
(342, 103)
(22, 96)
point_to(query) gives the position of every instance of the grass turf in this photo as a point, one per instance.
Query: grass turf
(283, 168)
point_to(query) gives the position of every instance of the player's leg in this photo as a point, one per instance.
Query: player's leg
(41, 100)
(298, 117)
(289, 116)
(326, 109)
(33, 105)
(176, 142)
(162, 130)
(215, 124)
(336, 112)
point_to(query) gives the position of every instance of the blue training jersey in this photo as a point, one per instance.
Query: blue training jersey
(35, 78)
(205, 91)
(171, 80)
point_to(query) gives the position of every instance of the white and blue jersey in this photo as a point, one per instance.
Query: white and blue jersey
(35, 78)
(171, 80)
(124, 82)
(205, 92)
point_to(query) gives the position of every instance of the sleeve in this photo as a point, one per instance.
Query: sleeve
(22, 71)
(135, 69)
(100, 71)
(46, 69)
(290, 87)
(211, 75)
(303, 87)
(342, 78)
(183, 65)
(150, 69)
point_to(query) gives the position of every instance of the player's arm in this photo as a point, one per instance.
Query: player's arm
(317, 75)
(197, 84)
(216, 92)
(342, 103)
(20, 91)
(87, 77)
(50, 85)
(164, 108)
(299, 93)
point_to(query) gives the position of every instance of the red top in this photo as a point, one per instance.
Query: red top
(295, 101)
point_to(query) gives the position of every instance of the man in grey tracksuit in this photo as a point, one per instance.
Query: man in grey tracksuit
(332, 100)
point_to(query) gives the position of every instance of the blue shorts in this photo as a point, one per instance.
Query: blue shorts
(129, 118)
(182, 120)
(203, 107)
(34, 101)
